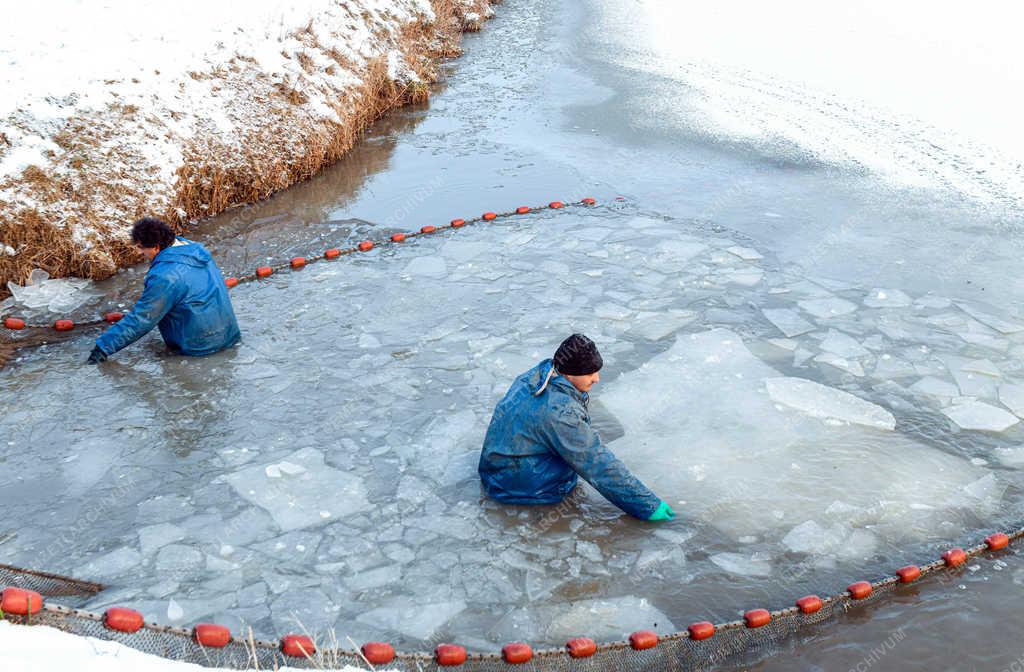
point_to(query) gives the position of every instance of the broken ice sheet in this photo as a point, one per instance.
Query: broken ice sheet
(887, 298)
(787, 321)
(745, 253)
(757, 564)
(820, 401)
(827, 307)
(980, 416)
(412, 619)
(298, 501)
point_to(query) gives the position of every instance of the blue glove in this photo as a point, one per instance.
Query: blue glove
(663, 512)
(96, 356)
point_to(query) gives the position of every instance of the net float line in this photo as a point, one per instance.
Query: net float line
(702, 643)
(13, 323)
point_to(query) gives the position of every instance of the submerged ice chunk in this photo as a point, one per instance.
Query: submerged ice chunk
(787, 321)
(300, 500)
(887, 298)
(980, 416)
(820, 401)
(843, 345)
(745, 253)
(935, 387)
(849, 365)
(606, 619)
(828, 307)
(429, 267)
(414, 620)
(744, 565)
(656, 326)
(1012, 396)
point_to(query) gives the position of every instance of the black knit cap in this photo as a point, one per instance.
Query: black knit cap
(577, 356)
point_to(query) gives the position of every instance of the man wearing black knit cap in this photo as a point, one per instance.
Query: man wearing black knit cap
(540, 439)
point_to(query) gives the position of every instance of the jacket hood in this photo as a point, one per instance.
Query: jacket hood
(542, 378)
(190, 253)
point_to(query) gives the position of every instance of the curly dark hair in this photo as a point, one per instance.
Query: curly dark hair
(152, 232)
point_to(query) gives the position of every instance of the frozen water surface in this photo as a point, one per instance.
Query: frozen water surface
(783, 381)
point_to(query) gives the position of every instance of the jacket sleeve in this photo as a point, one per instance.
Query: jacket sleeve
(158, 297)
(579, 445)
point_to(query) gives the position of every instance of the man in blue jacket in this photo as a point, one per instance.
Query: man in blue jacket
(540, 439)
(184, 295)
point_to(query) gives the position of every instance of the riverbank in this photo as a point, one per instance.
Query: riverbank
(182, 116)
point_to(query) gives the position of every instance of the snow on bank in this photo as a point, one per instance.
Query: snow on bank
(117, 109)
(43, 649)
(923, 93)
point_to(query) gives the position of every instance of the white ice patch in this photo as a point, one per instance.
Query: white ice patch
(699, 426)
(787, 321)
(980, 416)
(297, 501)
(819, 401)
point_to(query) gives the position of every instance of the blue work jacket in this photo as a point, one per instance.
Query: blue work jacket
(540, 439)
(185, 296)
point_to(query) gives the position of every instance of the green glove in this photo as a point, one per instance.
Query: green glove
(663, 512)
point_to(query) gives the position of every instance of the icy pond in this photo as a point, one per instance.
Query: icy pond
(822, 373)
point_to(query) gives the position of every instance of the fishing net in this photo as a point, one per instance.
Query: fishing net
(679, 651)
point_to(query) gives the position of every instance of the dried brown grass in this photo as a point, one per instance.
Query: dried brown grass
(288, 148)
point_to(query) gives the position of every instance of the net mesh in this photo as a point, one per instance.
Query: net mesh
(679, 651)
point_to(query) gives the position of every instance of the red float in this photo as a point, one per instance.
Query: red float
(397, 237)
(755, 618)
(378, 653)
(332, 253)
(212, 635)
(909, 574)
(581, 647)
(14, 323)
(809, 604)
(231, 282)
(298, 262)
(457, 223)
(488, 216)
(555, 205)
(428, 229)
(63, 325)
(122, 619)
(297, 646)
(20, 602)
(522, 210)
(366, 246)
(954, 557)
(588, 201)
(997, 541)
(701, 630)
(264, 271)
(643, 639)
(859, 590)
(448, 655)
(516, 653)
(113, 317)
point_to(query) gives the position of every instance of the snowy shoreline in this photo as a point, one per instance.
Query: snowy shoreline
(183, 115)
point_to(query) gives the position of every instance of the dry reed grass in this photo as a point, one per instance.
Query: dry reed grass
(289, 147)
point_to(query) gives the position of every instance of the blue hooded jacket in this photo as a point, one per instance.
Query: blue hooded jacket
(185, 296)
(540, 438)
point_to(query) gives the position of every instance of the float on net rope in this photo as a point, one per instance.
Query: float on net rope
(298, 263)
